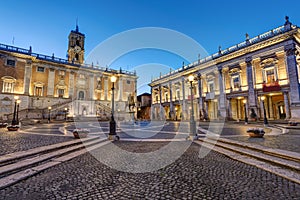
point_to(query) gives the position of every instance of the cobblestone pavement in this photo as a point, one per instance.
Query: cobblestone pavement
(19, 141)
(190, 177)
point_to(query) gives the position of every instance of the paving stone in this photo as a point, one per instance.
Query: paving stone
(190, 177)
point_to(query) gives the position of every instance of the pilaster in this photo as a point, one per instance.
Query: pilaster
(92, 86)
(222, 107)
(27, 77)
(183, 116)
(71, 84)
(51, 78)
(294, 92)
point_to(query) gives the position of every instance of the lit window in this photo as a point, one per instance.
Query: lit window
(270, 75)
(62, 73)
(177, 94)
(61, 92)
(38, 90)
(8, 84)
(236, 81)
(81, 76)
(211, 87)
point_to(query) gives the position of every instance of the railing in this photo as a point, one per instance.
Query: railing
(259, 38)
(60, 60)
(270, 87)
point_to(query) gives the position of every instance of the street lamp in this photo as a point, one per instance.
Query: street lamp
(265, 116)
(14, 121)
(49, 110)
(18, 104)
(192, 120)
(245, 108)
(112, 122)
(66, 111)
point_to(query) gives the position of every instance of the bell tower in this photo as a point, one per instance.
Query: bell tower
(76, 46)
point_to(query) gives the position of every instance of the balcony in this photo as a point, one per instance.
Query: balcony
(271, 87)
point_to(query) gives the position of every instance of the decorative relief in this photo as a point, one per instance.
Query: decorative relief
(290, 49)
(269, 62)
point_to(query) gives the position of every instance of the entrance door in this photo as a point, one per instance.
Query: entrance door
(281, 111)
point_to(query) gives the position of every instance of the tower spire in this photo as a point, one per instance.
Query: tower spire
(77, 29)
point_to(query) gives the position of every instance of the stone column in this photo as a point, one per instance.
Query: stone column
(251, 92)
(71, 84)
(293, 80)
(183, 116)
(222, 108)
(271, 111)
(262, 108)
(27, 77)
(229, 112)
(200, 100)
(206, 108)
(161, 113)
(171, 101)
(286, 105)
(51, 77)
(160, 94)
(239, 109)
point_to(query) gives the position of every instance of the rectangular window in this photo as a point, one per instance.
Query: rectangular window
(61, 92)
(128, 82)
(40, 69)
(236, 82)
(38, 91)
(177, 94)
(166, 96)
(211, 87)
(156, 98)
(11, 62)
(270, 76)
(81, 76)
(8, 87)
(62, 73)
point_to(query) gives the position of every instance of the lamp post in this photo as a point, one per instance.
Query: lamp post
(245, 109)
(192, 120)
(49, 112)
(66, 111)
(18, 105)
(14, 121)
(112, 122)
(265, 115)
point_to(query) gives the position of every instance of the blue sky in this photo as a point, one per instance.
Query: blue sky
(45, 25)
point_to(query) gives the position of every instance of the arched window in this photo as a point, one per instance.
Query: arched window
(81, 95)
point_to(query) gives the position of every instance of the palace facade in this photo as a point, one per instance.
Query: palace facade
(65, 85)
(260, 73)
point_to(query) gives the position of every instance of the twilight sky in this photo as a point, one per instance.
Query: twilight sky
(45, 26)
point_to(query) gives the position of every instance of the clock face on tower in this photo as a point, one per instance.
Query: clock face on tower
(77, 49)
